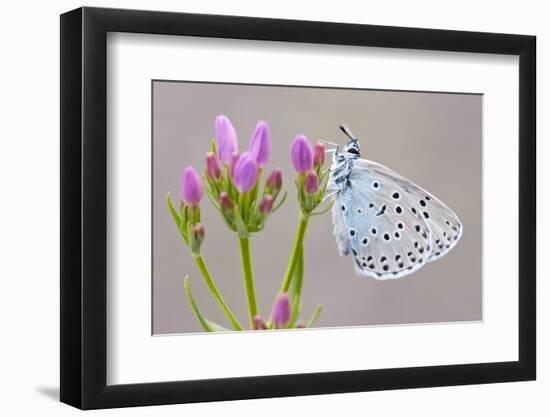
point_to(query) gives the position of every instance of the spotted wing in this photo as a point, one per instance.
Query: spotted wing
(391, 226)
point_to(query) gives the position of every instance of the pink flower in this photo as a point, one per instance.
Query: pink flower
(281, 311)
(225, 201)
(312, 182)
(191, 186)
(259, 324)
(226, 138)
(301, 154)
(213, 169)
(233, 161)
(260, 144)
(275, 180)
(246, 172)
(266, 204)
(318, 154)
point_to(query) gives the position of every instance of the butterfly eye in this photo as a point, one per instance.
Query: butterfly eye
(353, 151)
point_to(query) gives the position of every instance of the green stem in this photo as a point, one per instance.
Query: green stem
(298, 243)
(215, 293)
(248, 278)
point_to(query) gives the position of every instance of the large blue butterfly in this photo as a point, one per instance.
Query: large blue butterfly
(390, 225)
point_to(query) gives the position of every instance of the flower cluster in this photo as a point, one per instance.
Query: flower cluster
(189, 215)
(311, 180)
(233, 183)
(233, 179)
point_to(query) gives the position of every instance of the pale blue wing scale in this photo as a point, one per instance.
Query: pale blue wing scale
(385, 240)
(444, 225)
(342, 242)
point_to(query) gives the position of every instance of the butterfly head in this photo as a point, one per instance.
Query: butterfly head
(352, 149)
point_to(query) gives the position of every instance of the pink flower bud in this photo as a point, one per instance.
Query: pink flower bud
(266, 204)
(213, 169)
(197, 237)
(191, 186)
(226, 138)
(198, 232)
(318, 154)
(312, 182)
(281, 311)
(260, 144)
(301, 154)
(259, 324)
(233, 161)
(225, 201)
(246, 172)
(275, 180)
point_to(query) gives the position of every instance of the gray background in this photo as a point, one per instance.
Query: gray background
(433, 139)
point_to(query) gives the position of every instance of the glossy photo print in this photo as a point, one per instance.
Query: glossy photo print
(289, 207)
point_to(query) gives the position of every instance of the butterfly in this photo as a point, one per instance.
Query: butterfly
(390, 225)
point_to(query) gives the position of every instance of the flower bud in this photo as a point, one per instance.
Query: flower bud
(191, 186)
(197, 237)
(312, 182)
(281, 311)
(246, 172)
(225, 202)
(266, 204)
(259, 324)
(318, 154)
(260, 144)
(233, 161)
(213, 169)
(301, 154)
(275, 181)
(226, 138)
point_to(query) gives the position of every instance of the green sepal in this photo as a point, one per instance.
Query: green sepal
(323, 211)
(242, 230)
(283, 198)
(177, 219)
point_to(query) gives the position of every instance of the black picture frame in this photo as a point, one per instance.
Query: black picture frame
(84, 207)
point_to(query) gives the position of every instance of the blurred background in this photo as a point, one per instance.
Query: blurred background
(434, 139)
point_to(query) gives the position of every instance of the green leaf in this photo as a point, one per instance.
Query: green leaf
(173, 211)
(206, 324)
(315, 316)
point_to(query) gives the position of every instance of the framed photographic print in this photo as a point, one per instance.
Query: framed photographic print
(257, 207)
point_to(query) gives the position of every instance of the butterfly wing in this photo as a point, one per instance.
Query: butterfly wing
(390, 225)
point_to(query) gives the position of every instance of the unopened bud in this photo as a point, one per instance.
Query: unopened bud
(197, 237)
(259, 324)
(312, 182)
(213, 169)
(266, 204)
(318, 154)
(281, 311)
(275, 180)
(225, 202)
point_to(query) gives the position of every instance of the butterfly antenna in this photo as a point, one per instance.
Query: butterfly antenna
(347, 132)
(336, 146)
